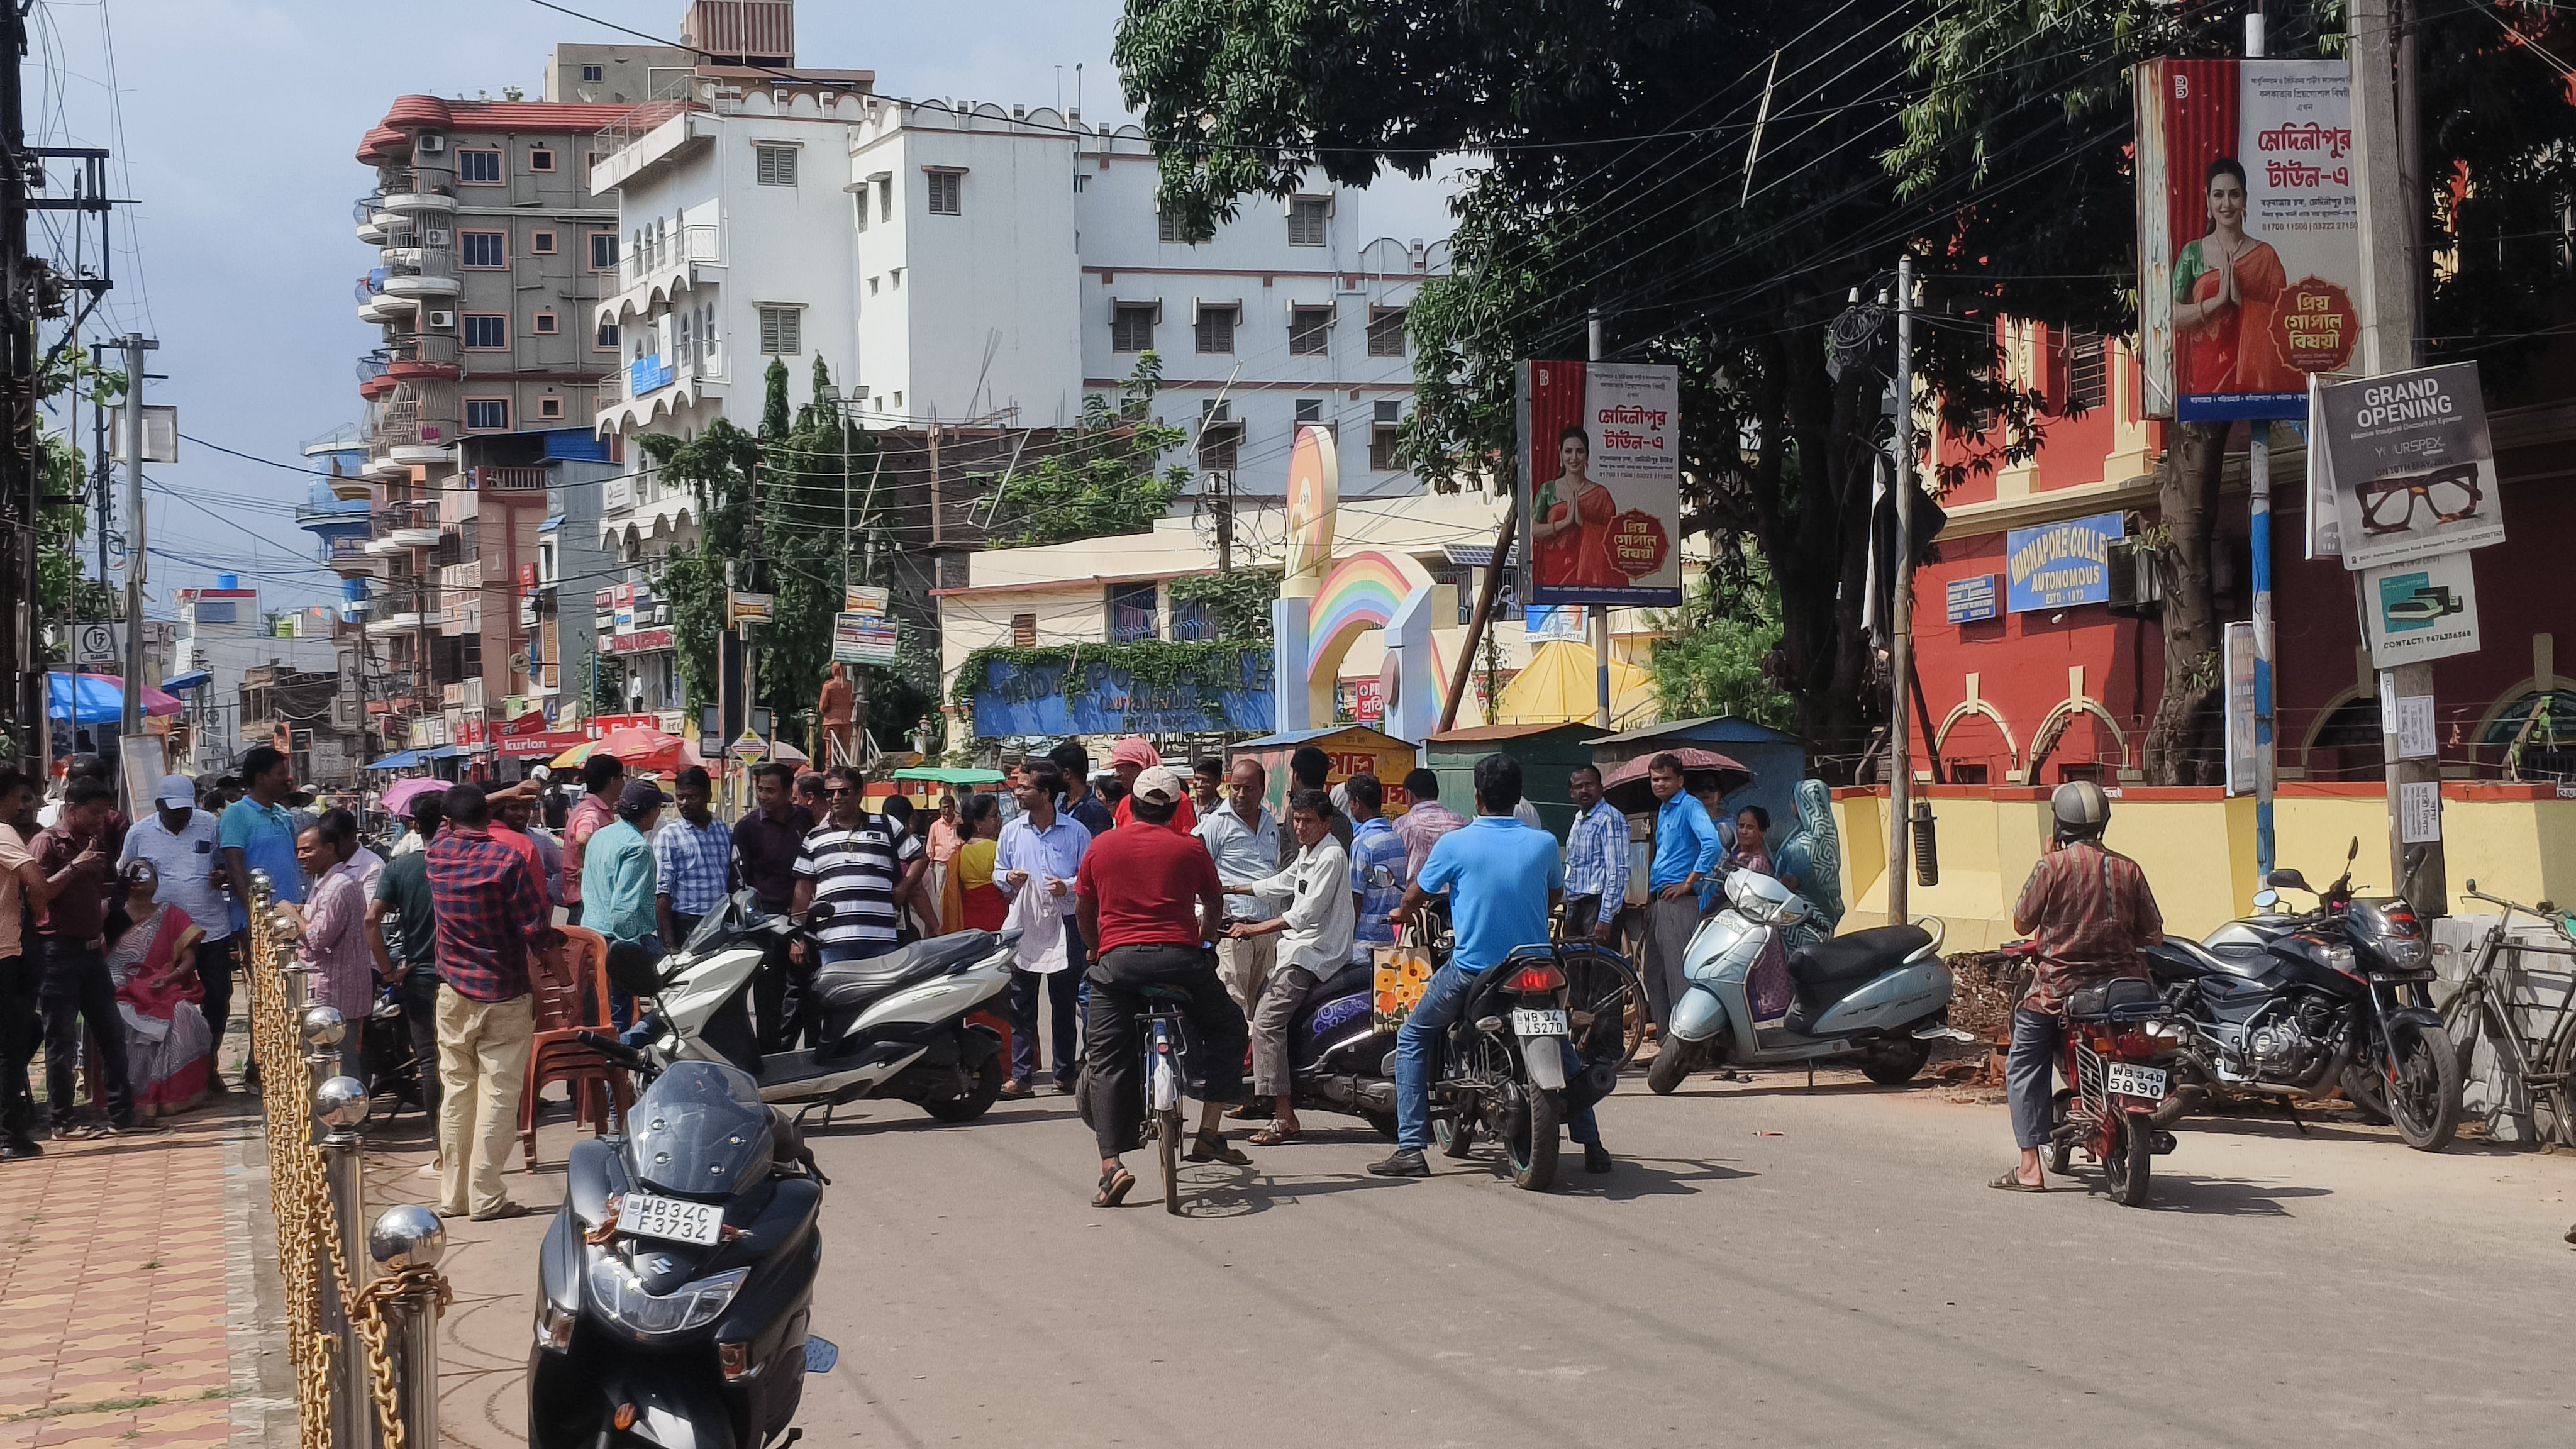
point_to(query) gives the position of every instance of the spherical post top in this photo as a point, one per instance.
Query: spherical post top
(340, 1103)
(323, 1026)
(407, 1235)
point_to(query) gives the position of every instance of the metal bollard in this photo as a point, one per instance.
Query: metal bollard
(323, 1031)
(340, 1107)
(410, 1236)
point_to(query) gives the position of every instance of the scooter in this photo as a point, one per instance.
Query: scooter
(1338, 1060)
(676, 1281)
(1880, 997)
(892, 1026)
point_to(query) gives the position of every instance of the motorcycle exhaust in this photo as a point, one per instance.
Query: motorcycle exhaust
(1946, 1032)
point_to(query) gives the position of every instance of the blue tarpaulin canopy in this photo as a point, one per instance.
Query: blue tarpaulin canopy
(399, 760)
(193, 679)
(100, 698)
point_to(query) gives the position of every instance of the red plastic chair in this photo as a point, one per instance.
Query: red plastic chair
(570, 987)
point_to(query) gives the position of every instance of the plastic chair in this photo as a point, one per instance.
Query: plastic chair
(570, 991)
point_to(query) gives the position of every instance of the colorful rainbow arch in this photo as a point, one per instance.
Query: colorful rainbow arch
(1362, 592)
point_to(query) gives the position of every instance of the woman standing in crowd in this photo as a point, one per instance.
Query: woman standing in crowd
(971, 900)
(169, 1050)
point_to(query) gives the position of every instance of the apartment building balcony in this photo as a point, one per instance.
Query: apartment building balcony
(376, 306)
(370, 215)
(666, 264)
(348, 557)
(420, 355)
(419, 190)
(421, 274)
(400, 526)
(528, 478)
(415, 429)
(654, 387)
(408, 622)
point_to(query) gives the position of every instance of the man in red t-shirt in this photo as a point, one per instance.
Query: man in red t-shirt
(1131, 758)
(1150, 901)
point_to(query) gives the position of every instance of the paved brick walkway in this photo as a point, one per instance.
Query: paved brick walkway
(113, 1277)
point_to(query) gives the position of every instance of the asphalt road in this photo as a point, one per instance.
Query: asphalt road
(1765, 1266)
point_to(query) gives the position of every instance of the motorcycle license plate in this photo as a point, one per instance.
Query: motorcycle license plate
(1538, 1023)
(2128, 1079)
(647, 1216)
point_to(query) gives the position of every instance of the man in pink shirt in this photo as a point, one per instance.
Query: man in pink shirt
(1424, 821)
(332, 935)
(601, 777)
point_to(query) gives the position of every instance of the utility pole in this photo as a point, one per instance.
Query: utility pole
(1900, 610)
(135, 345)
(21, 482)
(2383, 98)
(2259, 544)
(1221, 484)
(1601, 612)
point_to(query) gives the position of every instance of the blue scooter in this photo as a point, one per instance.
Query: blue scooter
(1879, 997)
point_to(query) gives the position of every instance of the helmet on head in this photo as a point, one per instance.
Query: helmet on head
(2081, 808)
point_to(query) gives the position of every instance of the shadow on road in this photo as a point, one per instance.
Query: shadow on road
(2227, 1197)
(1637, 1177)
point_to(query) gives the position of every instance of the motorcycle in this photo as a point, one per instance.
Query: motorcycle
(2122, 1041)
(676, 1281)
(1505, 1068)
(2328, 1002)
(1880, 997)
(1338, 1060)
(894, 1025)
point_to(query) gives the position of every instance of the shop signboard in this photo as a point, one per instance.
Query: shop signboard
(2249, 235)
(1600, 483)
(2420, 610)
(865, 632)
(2409, 465)
(2057, 565)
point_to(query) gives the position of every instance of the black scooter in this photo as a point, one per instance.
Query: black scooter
(676, 1281)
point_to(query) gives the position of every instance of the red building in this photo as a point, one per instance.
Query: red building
(2043, 693)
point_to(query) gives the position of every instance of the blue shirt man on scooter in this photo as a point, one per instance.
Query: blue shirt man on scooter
(1504, 881)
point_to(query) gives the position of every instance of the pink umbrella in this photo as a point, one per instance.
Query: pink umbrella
(400, 794)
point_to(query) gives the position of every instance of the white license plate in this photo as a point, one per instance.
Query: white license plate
(2128, 1079)
(1538, 1023)
(646, 1216)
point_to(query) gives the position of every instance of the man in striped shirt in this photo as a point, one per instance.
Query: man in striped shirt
(853, 862)
(1596, 860)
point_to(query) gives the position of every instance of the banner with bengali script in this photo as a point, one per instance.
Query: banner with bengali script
(1600, 483)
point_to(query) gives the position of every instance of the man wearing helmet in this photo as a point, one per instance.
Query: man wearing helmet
(2089, 914)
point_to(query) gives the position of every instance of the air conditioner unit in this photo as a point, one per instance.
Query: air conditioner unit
(432, 145)
(2136, 584)
(438, 319)
(435, 237)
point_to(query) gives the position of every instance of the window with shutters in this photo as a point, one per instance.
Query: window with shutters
(779, 331)
(1131, 328)
(1306, 219)
(1385, 420)
(1386, 332)
(1220, 436)
(605, 339)
(774, 165)
(1169, 228)
(2088, 371)
(1024, 631)
(1216, 329)
(947, 193)
(1310, 331)
(479, 168)
(544, 324)
(885, 198)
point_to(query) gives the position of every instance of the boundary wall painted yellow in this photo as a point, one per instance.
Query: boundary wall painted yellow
(2197, 847)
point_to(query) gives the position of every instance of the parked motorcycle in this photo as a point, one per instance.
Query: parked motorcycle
(1338, 1061)
(2332, 1001)
(2122, 1042)
(1878, 997)
(676, 1281)
(892, 1026)
(1509, 1070)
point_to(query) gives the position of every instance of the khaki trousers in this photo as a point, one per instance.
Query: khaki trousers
(482, 1069)
(1243, 966)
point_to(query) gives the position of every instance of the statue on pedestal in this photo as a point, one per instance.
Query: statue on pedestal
(838, 705)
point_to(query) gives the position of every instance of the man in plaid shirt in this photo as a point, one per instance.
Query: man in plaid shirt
(491, 914)
(693, 856)
(1596, 860)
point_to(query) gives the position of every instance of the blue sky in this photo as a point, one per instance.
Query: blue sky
(235, 124)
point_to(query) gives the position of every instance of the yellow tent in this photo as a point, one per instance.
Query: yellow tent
(1560, 684)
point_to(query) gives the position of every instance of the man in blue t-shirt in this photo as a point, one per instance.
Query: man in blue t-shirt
(258, 833)
(1504, 880)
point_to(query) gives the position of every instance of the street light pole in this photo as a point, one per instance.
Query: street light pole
(135, 345)
(1900, 612)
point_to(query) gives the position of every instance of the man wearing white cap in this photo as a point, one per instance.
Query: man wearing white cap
(180, 841)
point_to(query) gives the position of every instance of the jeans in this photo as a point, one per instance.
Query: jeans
(215, 969)
(2030, 1075)
(78, 992)
(1417, 1058)
(1212, 1026)
(19, 976)
(420, 1024)
(769, 995)
(1064, 1006)
(840, 951)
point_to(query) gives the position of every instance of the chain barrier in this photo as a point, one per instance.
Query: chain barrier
(308, 1230)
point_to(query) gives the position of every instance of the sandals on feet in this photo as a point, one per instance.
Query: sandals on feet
(2011, 1182)
(1275, 1135)
(1114, 1187)
(1209, 1147)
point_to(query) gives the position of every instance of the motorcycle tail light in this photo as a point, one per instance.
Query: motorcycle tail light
(1533, 980)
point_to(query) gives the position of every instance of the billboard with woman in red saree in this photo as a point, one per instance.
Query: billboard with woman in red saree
(1600, 480)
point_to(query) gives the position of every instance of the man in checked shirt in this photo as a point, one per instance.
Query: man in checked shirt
(491, 914)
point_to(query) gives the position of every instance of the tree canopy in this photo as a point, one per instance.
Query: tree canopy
(1103, 476)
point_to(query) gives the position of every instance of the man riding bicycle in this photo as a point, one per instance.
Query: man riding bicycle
(1504, 881)
(1150, 900)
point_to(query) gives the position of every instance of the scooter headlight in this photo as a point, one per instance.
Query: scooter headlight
(621, 1299)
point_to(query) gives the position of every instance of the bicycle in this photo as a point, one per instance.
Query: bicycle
(1604, 994)
(2486, 1003)
(1159, 1028)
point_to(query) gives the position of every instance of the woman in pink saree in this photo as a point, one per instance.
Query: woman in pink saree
(168, 1049)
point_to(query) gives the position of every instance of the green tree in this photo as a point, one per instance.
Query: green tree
(1104, 476)
(1715, 657)
(1613, 138)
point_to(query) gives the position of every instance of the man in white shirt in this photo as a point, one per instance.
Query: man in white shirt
(180, 841)
(1314, 930)
(1243, 839)
(1042, 851)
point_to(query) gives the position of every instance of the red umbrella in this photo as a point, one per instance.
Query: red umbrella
(1626, 786)
(649, 749)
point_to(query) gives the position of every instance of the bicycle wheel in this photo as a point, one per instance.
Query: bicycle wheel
(1167, 1147)
(2463, 1016)
(2553, 1115)
(1600, 983)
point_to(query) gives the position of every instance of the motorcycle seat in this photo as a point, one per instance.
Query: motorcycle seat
(2125, 998)
(1861, 953)
(845, 984)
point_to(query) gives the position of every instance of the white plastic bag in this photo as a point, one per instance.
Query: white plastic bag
(1033, 915)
